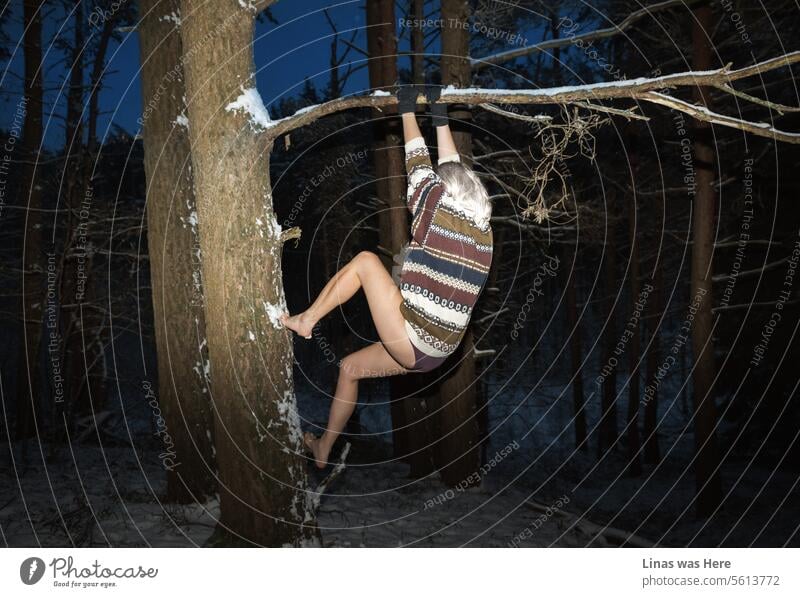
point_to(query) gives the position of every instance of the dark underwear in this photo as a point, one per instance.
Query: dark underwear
(424, 362)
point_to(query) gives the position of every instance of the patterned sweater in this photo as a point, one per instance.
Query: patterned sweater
(446, 263)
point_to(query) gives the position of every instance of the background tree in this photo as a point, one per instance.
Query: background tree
(175, 257)
(458, 453)
(30, 192)
(709, 490)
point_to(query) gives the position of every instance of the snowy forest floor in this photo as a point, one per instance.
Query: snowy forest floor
(115, 502)
(88, 495)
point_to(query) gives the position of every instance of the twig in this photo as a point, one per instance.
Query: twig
(291, 233)
(629, 114)
(618, 536)
(316, 495)
(481, 63)
(509, 114)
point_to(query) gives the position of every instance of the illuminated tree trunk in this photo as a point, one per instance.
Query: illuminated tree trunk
(264, 495)
(175, 255)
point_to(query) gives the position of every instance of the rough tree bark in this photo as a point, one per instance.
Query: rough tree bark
(458, 453)
(28, 395)
(175, 257)
(707, 478)
(264, 495)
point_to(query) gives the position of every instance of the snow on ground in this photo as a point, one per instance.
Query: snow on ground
(379, 506)
(112, 500)
(111, 496)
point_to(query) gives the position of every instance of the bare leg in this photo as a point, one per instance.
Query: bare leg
(339, 289)
(364, 271)
(372, 361)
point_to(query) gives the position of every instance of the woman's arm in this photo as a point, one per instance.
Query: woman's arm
(439, 118)
(447, 146)
(410, 127)
(424, 185)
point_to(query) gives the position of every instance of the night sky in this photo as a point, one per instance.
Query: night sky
(298, 47)
(285, 55)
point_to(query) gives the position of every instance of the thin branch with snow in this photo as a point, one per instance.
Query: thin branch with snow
(643, 89)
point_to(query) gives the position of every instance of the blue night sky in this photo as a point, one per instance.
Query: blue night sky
(285, 55)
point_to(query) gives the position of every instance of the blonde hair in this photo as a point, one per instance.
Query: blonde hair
(467, 191)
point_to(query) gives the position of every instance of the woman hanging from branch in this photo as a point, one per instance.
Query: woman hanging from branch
(444, 270)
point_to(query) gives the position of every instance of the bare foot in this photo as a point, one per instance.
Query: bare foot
(316, 447)
(301, 324)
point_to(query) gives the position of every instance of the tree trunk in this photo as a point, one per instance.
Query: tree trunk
(655, 309)
(458, 452)
(175, 257)
(410, 436)
(634, 347)
(264, 493)
(703, 216)
(418, 43)
(578, 399)
(28, 395)
(81, 327)
(607, 427)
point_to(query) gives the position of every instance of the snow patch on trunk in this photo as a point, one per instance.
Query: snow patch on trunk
(250, 102)
(274, 313)
(172, 18)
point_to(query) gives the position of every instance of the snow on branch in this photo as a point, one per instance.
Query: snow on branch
(626, 23)
(642, 88)
(762, 129)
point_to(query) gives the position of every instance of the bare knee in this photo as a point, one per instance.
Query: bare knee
(366, 260)
(349, 370)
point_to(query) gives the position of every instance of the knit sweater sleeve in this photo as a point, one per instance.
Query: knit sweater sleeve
(425, 188)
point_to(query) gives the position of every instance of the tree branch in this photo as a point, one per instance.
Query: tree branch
(761, 129)
(644, 89)
(626, 23)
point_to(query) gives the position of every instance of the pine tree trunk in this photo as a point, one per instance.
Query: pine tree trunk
(409, 436)
(79, 324)
(458, 452)
(571, 298)
(607, 427)
(175, 257)
(634, 347)
(703, 218)
(264, 495)
(418, 43)
(73, 163)
(652, 453)
(28, 395)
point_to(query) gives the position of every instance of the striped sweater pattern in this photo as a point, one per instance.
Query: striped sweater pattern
(446, 263)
